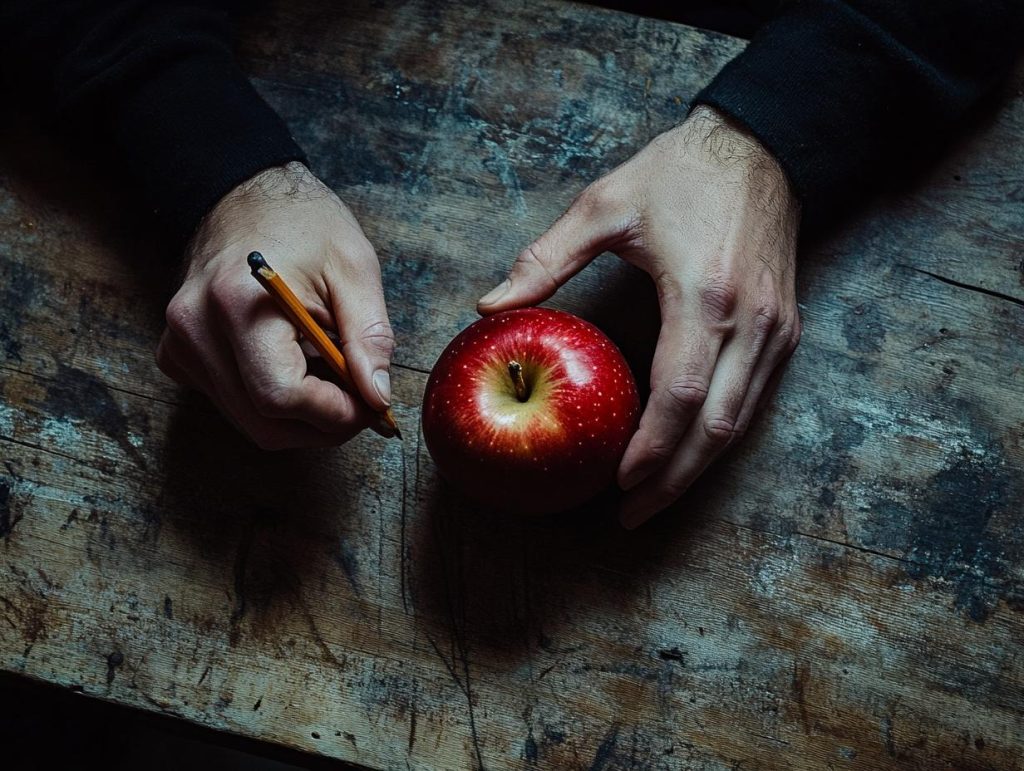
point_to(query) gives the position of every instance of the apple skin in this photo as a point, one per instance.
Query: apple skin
(551, 452)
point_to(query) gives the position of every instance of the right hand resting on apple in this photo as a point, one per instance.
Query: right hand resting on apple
(226, 337)
(709, 214)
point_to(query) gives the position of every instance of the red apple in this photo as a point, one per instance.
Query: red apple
(530, 410)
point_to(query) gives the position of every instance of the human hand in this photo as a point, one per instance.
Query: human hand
(709, 214)
(226, 337)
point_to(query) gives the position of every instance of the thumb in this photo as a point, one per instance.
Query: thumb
(366, 336)
(559, 254)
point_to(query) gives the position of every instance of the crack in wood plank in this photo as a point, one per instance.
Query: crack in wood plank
(119, 389)
(968, 287)
(410, 368)
(50, 451)
(865, 550)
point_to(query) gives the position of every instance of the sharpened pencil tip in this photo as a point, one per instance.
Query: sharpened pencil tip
(256, 261)
(398, 434)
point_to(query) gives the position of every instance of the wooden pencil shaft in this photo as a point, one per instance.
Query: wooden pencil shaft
(307, 325)
(301, 318)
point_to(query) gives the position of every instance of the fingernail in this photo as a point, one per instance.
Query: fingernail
(382, 384)
(497, 293)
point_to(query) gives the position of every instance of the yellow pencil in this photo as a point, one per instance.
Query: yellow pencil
(296, 312)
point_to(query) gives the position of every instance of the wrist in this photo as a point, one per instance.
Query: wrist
(729, 146)
(272, 183)
(243, 207)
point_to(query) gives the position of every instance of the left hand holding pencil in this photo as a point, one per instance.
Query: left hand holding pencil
(227, 337)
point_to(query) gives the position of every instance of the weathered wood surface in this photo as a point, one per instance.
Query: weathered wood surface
(845, 591)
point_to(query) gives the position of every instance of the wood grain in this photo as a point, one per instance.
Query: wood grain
(845, 590)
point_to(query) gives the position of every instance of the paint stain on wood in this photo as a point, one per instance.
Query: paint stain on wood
(76, 394)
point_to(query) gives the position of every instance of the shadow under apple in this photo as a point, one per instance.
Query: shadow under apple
(497, 587)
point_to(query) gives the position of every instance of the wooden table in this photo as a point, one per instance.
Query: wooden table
(845, 591)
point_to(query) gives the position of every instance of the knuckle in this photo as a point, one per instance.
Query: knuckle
(362, 253)
(718, 299)
(596, 200)
(379, 337)
(721, 429)
(222, 296)
(766, 319)
(181, 315)
(687, 394)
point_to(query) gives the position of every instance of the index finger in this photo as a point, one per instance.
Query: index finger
(274, 372)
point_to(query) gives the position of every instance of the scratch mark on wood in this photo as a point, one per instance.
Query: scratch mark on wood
(772, 739)
(345, 557)
(823, 539)
(317, 635)
(801, 672)
(13, 609)
(890, 744)
(412, 727)
(672, 654)
(241, 563)
(160, 704)
(51, 451)
(403, 515)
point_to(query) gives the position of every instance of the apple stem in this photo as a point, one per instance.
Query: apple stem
(515, 369)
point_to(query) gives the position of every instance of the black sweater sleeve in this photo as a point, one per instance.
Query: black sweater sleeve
(841, 92)
(159, 82)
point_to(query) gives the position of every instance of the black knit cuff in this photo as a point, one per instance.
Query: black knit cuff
(815, 87)
(194, 130)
